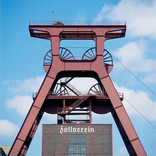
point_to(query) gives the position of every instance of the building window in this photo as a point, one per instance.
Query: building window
(77, 145)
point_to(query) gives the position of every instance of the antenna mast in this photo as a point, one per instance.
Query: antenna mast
(52, 17)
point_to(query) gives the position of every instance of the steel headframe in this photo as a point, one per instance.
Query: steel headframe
(58, 68)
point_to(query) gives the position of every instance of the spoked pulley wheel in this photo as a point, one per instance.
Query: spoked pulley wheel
(60, 90)
(107, 58)
(47, 58)
(90, 54)
(66, 54)
(95, 90)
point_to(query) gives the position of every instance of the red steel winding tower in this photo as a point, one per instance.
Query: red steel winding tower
(53, 97)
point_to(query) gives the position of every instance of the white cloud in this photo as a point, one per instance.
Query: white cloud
(23, 89)
(27, 85)
(140, 16)
(141, 101)
(83, 84)
(7, 82)
(121, 152)
(80, 18)
(7, 129)
(102, 118)
(132, 55)
(20, 104)
(80, 85)
(102, 14)
(50, 118)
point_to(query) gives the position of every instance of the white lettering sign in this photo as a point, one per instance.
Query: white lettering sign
(71, 129)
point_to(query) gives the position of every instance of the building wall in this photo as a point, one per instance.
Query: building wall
(2, 153)
(77, 140)
(4, 150)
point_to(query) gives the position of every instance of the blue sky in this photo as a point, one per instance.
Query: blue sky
(21, 59)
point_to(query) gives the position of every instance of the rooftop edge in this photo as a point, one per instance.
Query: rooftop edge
(83, 23)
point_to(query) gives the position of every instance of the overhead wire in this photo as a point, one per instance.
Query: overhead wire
(140, 113)
(149, 89)
(136, 77)
(128, 71)
(144, 86)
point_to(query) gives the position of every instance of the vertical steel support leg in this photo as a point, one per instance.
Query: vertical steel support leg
(90, 111)
(32, 120)
(122, 120)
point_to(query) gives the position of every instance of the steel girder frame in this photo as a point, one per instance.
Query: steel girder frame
(100, 34)
(122, 120)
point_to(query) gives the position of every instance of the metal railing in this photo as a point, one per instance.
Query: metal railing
(82, 93)
(77, 23)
